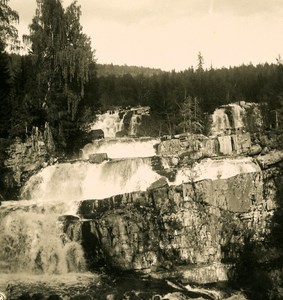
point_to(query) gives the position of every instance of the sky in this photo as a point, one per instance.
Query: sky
(169, 34)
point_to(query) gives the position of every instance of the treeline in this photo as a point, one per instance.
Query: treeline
(167, 92)
(116, 70)
(59, 82)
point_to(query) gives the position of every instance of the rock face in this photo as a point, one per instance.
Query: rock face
(199, 146)
(25, 158)
(97, 158)
(95, 134)
(195, 231)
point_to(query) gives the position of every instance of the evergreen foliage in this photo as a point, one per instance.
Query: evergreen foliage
(167, 92)
(59, 82)
(61, 56)
(8, 32)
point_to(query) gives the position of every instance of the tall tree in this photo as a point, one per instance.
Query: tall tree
(62, 56)
(8, 32)
(191, 116)
(8, 38)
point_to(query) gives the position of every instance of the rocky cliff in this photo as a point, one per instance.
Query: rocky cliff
(195, 231)
(24, 158)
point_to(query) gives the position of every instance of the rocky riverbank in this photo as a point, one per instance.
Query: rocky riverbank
(195, 232)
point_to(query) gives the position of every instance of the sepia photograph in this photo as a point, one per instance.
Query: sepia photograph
(141, 149)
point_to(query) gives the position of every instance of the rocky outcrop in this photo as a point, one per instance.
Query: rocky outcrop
(200, 146)
(194, 231)
(97, 158)
(25, 158)
(270, 158)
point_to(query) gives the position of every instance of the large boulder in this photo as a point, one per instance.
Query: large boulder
(270, 159)
(95, 134)
(97, 158)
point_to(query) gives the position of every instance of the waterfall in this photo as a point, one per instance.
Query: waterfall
(134, 124)
(110, 122)
(113, 122)
(225, 145)
(30, 231)
(216, 169)
(31, 241)
(121, 148)
(32, 235)
(221, 122)
(71, 182)
(237, 113)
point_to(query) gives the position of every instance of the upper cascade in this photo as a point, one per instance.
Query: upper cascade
(120, 122)
(236, 118)
(122, 148)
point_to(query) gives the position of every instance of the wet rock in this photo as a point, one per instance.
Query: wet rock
(97, 158)
(95, 134)
(54, 297)
(170, 147)
(269, 159)
(241, 142)
(121, 133)
(161, 182)
(192, 228)
(254, 150)
(68, 218)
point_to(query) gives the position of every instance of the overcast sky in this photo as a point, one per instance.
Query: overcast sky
(168, 34)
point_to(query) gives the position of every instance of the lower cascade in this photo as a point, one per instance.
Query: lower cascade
(34, 243)
(179, 213)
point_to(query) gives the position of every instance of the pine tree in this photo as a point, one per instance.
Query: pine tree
(191, 116)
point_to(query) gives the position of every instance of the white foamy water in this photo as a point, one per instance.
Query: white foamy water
(31, 239)
(109, 122)
(216, 169)
(122, 148)
(238, 115)
(220, 121)
(70, 182)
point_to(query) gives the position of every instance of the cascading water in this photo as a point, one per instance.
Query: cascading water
(220, 122)
(113, 122)
(110, 122)
(238, 116)
(122, 148)
(71, 182)
(32, 236)
(216, 169)
(134, 124)
(31, 231)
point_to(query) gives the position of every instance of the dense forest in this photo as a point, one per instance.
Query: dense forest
(59, 82)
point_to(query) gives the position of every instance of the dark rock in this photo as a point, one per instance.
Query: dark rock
(198, 227)
(95, 134)
(54, 297)
(37, 296)
(161, 182)
(255, 150)
(269, 159)
(97, 158)
(121, 133)
(68, 218)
